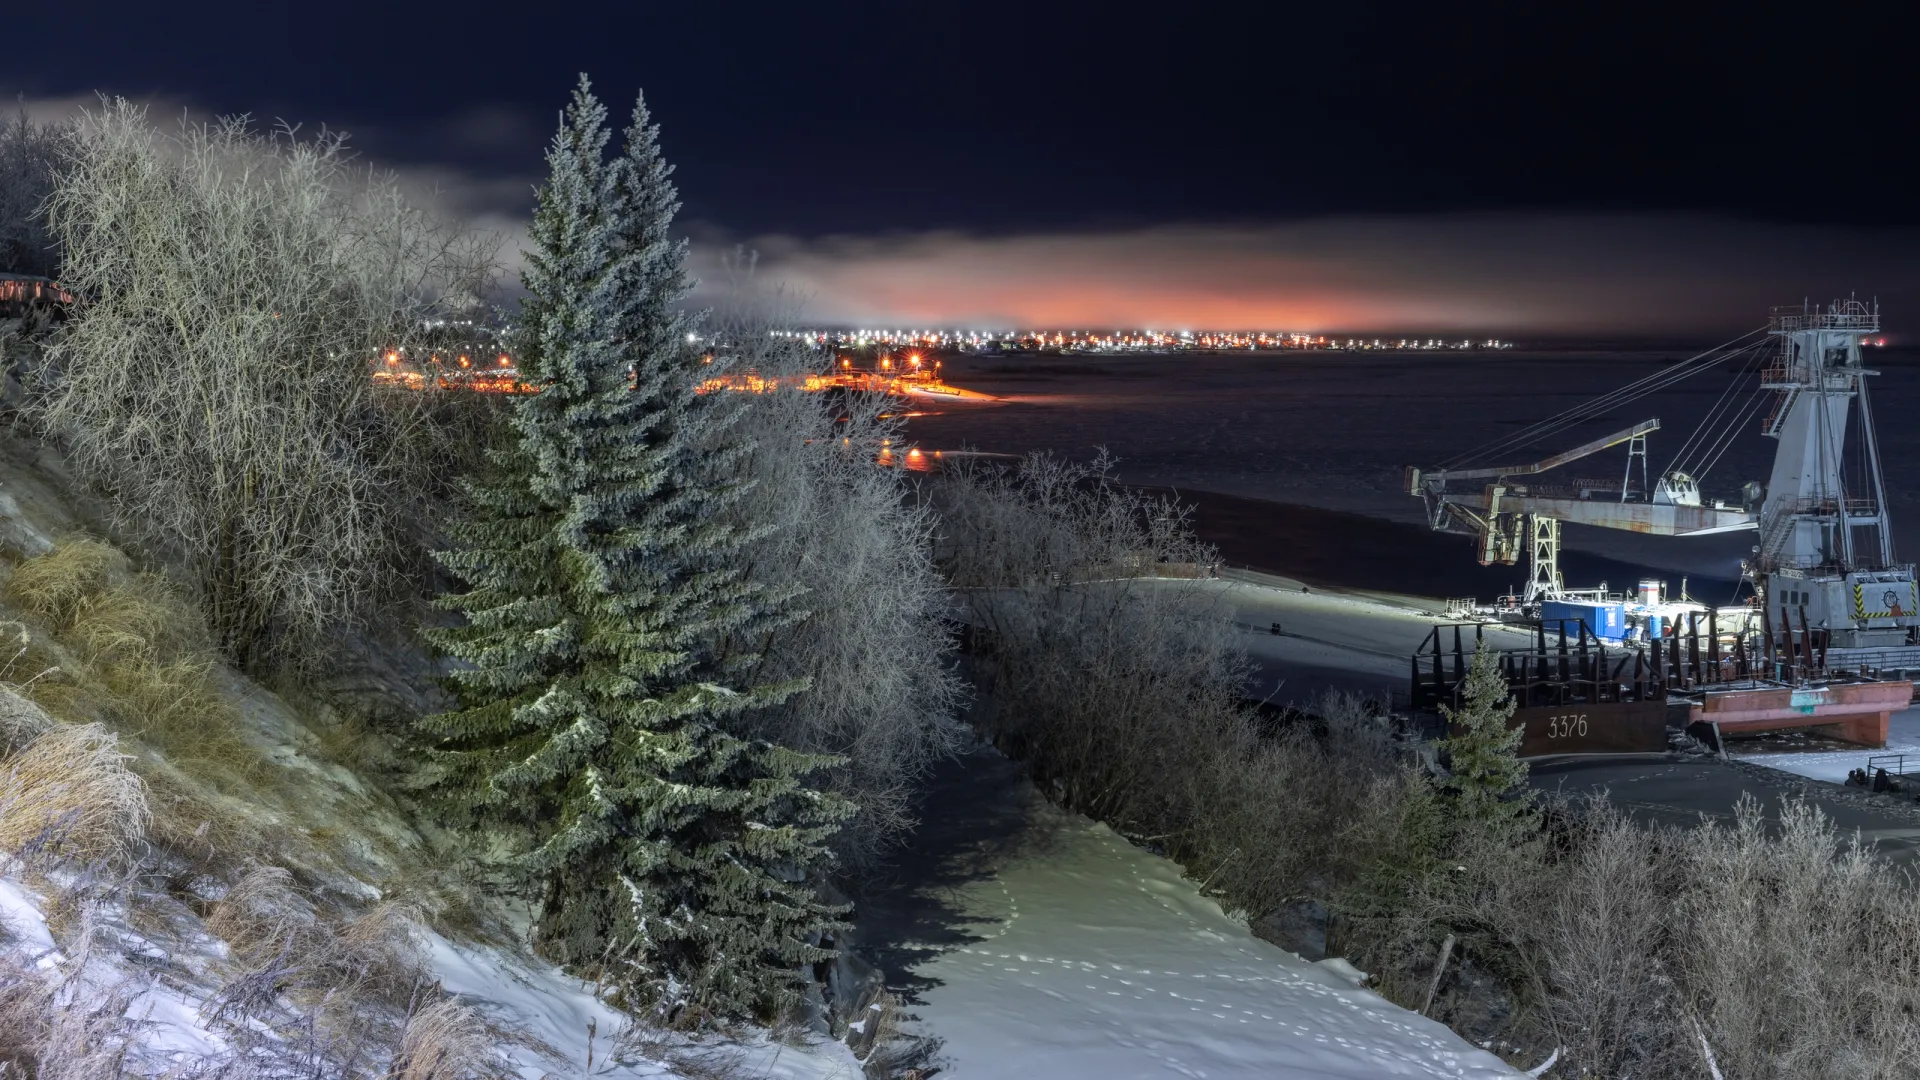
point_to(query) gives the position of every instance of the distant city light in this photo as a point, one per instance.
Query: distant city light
(1104, 341)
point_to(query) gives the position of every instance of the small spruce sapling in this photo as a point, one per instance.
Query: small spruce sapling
(1482, 751)
(1444, 826)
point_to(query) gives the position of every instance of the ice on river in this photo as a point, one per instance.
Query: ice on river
(1098, 959)
(1832, 763)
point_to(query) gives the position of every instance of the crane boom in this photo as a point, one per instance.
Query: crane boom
(1506, 517)
(1644, 427)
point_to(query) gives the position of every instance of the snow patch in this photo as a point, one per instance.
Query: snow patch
(168, 1019)
(567, 1022)
(21, 920)
(1339, 966)
(1093, 958)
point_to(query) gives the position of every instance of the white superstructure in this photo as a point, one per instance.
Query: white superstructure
(1825, 543)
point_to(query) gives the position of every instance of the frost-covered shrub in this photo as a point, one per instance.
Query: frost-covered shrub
(1115, 672)
(874, 639)
(1104, 677)
(242, 433)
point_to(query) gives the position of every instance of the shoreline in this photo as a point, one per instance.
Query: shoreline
(1355, 553)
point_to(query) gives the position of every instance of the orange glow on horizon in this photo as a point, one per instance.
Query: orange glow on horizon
(1371, 276)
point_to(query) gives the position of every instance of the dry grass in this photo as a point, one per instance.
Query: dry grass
(176, 707)
(139, 618)
(379, 951)
(142, 660)
(26, 1014)
(21, 721)
(69, 795)
(264, 916)
(447, 1041)
(56, 585)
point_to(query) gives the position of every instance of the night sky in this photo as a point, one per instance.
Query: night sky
(1523, 169)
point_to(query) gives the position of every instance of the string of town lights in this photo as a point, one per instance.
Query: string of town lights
(1108, 341)
(472, 359)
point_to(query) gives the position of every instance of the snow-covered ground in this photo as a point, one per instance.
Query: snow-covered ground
(1096, 959)
(578, 1031)
(557, 1028)
(1833, 764)
(1332, 640)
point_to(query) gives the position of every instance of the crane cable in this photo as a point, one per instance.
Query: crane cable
(1640, 388)
(1709, 433)
(1706, 432)
(1633, 391)
(1755, 398)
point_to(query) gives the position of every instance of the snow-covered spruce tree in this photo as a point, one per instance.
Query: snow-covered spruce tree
(1456, 837)
(1482, 754)
(669, 860)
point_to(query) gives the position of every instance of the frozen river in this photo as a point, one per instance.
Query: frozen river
(1334, 430)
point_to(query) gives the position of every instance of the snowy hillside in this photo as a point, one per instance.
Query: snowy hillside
(131, 992)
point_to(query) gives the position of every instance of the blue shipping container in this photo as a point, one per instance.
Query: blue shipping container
(1608, 622)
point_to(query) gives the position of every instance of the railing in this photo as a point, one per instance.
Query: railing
(1818, 506)
(1894, 764)
(1782, 405)
(1775, 537)
(1841, 315)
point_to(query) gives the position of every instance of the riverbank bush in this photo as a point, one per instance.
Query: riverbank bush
(242, 436)
(1764, 946)
(1121, 689)
(1752, 947)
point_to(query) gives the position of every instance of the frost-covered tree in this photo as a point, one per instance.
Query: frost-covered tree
(876, 638)
(215, 383)
(29, 164)
(669, 858)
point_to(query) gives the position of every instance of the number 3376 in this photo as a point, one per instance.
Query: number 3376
(1569, 726)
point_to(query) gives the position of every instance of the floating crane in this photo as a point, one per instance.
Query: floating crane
(1825, 549)
(1503, 515)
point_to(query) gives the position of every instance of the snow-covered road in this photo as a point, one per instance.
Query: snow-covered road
(1096, 959)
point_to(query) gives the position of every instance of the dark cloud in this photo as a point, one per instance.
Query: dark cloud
(499, 130)
(1508, 273)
